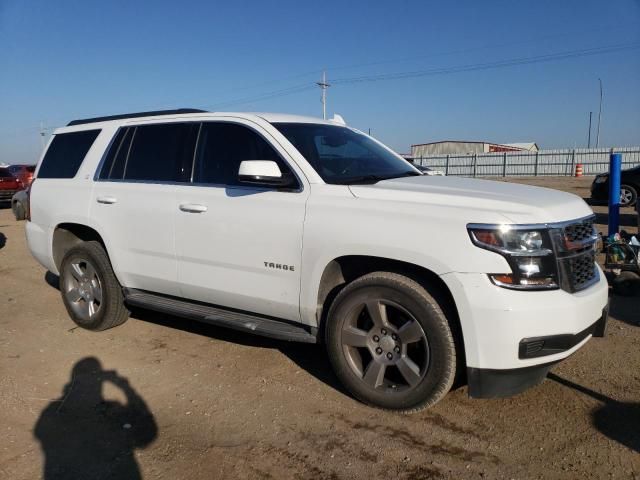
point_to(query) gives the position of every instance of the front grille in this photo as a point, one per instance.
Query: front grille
(578, 232)
(581, 270)
(574, 245)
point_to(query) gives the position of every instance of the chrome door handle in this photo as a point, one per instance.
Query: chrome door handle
(193, 208)
(107, 200)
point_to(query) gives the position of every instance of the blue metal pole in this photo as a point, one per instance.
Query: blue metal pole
(615, 167)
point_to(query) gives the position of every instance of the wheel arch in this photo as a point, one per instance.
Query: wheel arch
(67, 235)
(342, 270)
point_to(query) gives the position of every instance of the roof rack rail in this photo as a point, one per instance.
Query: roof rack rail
(134, 115)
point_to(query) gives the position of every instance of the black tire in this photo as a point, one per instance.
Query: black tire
(18, 211)
(110, 311)
(626, 284)
(407, 306)
(628, 195)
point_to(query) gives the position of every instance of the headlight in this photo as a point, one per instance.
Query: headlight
(528, 252)
(601, 179)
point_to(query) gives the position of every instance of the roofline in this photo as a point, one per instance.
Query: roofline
(123, 116)
(449, 141)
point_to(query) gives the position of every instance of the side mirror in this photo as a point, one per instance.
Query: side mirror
(265, 173)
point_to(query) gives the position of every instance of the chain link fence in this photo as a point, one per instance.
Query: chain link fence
(540, 163)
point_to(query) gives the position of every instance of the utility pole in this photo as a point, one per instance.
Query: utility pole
(589, 137)
(323, 86)
(599, 116)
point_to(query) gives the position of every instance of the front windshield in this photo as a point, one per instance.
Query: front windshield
(343, 156)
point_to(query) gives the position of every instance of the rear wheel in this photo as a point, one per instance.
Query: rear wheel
(90, 291)
(628, 196)
(390, 343)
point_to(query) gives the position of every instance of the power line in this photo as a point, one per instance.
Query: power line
(439, 71)
(431, 55)
(475, 49)
(429, 72)
(265, 96)
(397, 60)
(490, 65)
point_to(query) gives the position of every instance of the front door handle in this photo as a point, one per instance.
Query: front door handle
(107, 200)
(193, 208)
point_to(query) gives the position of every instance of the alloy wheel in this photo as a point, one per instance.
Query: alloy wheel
(626, 197)
(83, 288)
(385, 346)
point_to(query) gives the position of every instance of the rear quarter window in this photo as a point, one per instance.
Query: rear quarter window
(66, 153)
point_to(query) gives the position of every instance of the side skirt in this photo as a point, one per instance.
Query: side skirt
(236, 320)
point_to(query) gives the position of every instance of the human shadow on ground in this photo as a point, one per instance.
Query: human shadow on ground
(3, 240)
(83, 435)
(617, 420)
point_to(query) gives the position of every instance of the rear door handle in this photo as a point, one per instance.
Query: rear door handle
(193, 208)
(107, 200)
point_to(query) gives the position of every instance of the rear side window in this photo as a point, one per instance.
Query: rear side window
(5, 173)
(161, 153)
(66, 153)
(113, 166)
(221, 148)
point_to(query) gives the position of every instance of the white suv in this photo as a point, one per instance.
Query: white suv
(308, 230)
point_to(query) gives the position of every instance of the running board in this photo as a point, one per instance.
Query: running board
(244, 322)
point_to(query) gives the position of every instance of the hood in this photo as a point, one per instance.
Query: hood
(518, 203)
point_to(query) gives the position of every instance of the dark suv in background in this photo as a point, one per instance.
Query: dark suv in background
(629, 187)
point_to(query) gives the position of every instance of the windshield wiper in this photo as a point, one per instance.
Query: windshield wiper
(410, 173)
(365, 179)
(371, 179)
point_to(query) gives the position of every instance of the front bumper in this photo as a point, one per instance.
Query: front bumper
(491, 383)
(495, 320)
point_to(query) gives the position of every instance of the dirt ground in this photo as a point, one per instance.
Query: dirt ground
(176, 399)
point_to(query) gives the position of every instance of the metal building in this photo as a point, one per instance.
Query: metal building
(452, 147)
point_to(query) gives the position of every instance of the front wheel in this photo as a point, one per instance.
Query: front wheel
(390, 343)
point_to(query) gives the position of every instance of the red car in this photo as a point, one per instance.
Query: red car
(9, 184)
(24, 173)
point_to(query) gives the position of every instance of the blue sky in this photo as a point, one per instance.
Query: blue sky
(71, 59)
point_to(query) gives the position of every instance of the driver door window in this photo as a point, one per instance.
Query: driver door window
(221, 149)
